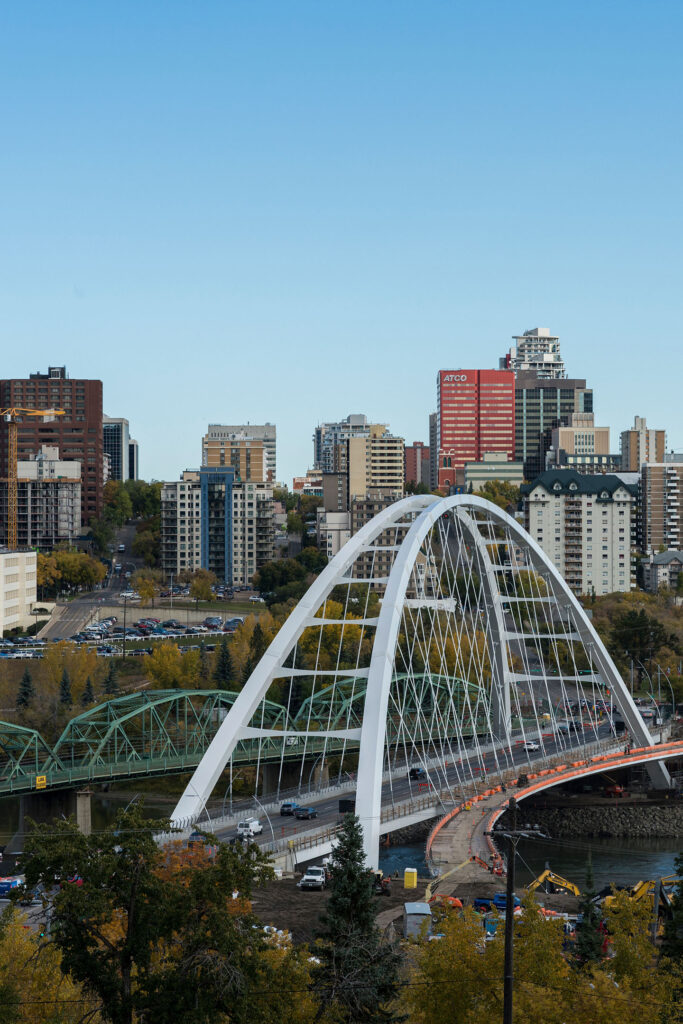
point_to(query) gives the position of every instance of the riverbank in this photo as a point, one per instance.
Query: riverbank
(637, 820)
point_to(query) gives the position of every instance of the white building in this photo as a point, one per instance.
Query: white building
(333, 530)
(18, 593)
(537, 350)
(48, 500)
(181, 532)
(253, 530)
(584, 523)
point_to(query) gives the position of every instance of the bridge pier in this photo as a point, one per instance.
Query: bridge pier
(43, 808)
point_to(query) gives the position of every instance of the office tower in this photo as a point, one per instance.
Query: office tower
(249, 448)
(536, 351)
(133, 460)
(181, 535)
(77, 434)
(116, 443)
(476, 414)
(583, 523)
(540, 406)
(661, 506)
(417, 463)
(640, 445)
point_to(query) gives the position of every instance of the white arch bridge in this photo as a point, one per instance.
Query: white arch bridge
(439, 636)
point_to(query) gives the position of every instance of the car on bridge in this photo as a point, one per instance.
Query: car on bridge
(249, 827)
(530, 745)
(418, 774)
(288, 808)
(305, 812)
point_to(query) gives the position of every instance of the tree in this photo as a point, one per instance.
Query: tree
(156, 934)
(358, 974)
(47, 572)
(102, 533)
(672, 945)
(145, 498)
(118, 508)
(202, 582)
(258, 645)
(111, 685)
(312, 559)
(145, 585)
(88, 693)
(589, 937)
(65, 690)
(146, 546)
(501, 493)
(639, 636)
(224, 671)
(26, 691)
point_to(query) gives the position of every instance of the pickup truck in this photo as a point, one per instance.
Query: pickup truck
(314, 878)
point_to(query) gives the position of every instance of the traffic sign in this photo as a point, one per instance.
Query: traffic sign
(41, 781)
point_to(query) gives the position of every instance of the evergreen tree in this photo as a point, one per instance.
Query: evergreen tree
(258, 645)
(203, 664)
(672, 946)
(88, 693)
(249, 666)
(65, 690)
(358, 974)
(26, 691)
(224, 672)
(589, 938)
(111, 685)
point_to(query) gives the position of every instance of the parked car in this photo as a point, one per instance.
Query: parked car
(305, 812)
(249, 827)
(314, 878)
(256, 600)
(288, 808)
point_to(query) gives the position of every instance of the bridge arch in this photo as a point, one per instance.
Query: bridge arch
(457, 587)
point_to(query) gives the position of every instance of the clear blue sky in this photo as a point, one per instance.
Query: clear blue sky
(237, 211)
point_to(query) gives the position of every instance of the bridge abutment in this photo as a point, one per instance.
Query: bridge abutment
(44, 808)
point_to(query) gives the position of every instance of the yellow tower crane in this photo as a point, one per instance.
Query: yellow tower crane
(10, 418)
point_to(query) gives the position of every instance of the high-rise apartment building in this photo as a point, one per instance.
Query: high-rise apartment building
(48, 500)
(77, 434)
(417, 463)
(536, 351)
(249, 448)
(540, 406)
(640, 445)
(328, 438)
(253, 530)
(584, 524)
(476, 414)
(433, 451)
(375, 462)
(661, 506)
(116, 443)
(181, 533)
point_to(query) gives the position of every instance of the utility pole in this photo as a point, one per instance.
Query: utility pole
(512, 835)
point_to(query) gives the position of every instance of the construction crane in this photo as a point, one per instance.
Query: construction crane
(10, 418)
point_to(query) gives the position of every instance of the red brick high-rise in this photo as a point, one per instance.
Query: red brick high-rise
(476, 414)
(77, 434)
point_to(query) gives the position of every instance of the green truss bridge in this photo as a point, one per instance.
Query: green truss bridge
(161, 732)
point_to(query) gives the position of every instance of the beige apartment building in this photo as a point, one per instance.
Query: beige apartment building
(18, 592)
(640, 445)
(376, 462)
(584, 524)
(249, 448)
(253, 530)
(661, 506)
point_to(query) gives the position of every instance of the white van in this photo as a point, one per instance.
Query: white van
(249, 827)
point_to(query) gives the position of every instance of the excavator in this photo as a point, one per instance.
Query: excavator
(646, 890)
(550, 882)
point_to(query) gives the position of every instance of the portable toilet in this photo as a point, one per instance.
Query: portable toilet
(414, 916)
(410, 878)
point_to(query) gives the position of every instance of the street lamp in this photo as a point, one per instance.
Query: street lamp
(125, 605)
(257, 801)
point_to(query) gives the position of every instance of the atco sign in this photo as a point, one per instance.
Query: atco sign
(455, 377)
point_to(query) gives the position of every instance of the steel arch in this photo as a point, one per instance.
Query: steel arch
(426, 512)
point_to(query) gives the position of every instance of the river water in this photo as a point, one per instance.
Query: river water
(622, 861)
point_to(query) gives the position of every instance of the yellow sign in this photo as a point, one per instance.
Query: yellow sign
(41, 781)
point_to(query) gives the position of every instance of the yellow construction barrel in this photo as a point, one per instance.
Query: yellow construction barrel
(410, 878)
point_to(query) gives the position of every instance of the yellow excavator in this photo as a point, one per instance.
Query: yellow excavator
(646, 890)
(550, 882)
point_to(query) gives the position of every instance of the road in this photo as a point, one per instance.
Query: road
(402, 788)
(72, 617)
